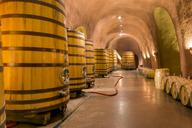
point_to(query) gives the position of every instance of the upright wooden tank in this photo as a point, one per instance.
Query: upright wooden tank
(110, 60)
(90, 63)
(128, 60)
(35, 58)
(114, 59)
(2, 98)
(77, 61)
(101, 64)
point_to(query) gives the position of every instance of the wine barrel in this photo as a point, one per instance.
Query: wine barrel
(114, 60)
(77, 61)
(101, 66)
(128, 60)
(164, 82)
(185, 95)
(2, 98)
(110, 59)
(176, 87)
(159, 75)
(34, 56)
(170, 82)
(90, 62)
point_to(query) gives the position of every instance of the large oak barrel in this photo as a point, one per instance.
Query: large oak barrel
(110, 60)
(2, 98)
(90, 62)
(159, 75)
(101, 65)
(128, 60)
(114, 59)
(77, 61)
(34, 56)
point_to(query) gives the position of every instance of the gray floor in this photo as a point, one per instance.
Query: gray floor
(138, 105)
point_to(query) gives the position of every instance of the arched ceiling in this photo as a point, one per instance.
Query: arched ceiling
(101, 19)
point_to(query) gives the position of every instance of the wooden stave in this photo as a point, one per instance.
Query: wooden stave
(2, 98)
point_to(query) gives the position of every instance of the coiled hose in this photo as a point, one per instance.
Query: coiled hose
(115, 87)
(94, 92)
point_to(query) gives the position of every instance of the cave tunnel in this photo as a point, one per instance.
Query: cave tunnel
(96, 63)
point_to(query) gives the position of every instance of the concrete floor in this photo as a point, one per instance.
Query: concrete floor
(138, 105)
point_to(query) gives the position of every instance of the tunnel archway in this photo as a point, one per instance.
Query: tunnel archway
(126, 43)
(168, 46)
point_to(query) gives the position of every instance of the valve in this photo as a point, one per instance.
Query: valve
(84, 72)
(64, 76)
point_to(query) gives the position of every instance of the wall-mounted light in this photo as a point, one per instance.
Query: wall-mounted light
(190, 49)
(154, 53)
(122, 34)
(119, 17)
(144, 56)
(189, 45)
(148, 56)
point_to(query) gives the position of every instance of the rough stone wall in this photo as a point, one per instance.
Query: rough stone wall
(184, 8)
(168, 46)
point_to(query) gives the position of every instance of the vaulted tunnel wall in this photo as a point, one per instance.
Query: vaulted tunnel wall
(168, 48)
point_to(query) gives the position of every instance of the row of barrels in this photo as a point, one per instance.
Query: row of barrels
(128, 61)
(81, 61)
(179, 88)
(42, 61)
(147, 72)
(105, 61)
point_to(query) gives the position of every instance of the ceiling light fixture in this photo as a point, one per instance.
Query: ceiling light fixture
(121, 34)
(119, 17)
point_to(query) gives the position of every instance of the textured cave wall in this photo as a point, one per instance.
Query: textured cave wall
(99, 17)
(185, 18)
(168, 46)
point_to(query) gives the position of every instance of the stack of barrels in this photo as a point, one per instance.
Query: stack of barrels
(90, 63)
(101, 64)
(179, 88)
(114, 59)
(2, 98)
(77, 61)
(128, 60)
(35, 58)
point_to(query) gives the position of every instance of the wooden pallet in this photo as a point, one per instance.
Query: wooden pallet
(43, 118)
(76, 94)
